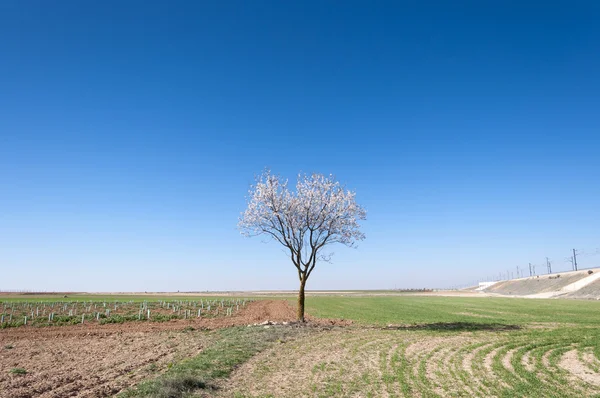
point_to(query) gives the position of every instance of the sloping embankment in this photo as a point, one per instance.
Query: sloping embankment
(590, 291)
(544, 285)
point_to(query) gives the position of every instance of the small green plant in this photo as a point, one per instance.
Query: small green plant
(319, 367)
(178, 386)
(18, 371)
(9, 346)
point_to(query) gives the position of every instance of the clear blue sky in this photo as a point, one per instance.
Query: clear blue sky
(130, 132)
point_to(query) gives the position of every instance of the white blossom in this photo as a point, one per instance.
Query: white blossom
(319, 213)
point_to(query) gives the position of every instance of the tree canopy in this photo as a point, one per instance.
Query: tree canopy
(319, 213)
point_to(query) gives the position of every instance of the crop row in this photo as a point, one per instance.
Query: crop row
(45, 313)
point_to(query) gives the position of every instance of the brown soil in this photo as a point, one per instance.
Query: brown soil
(255, 312)
(528, 362)
(90, 366)
(571, 363)
(506, 360)
(99, 360)
(468, 365)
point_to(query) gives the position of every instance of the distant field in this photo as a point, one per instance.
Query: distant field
(78, 296)
(99, 297)
(424, 309)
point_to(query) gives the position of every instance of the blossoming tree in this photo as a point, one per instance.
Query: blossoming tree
(320, 213)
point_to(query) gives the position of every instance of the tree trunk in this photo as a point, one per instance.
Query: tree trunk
(301, 299)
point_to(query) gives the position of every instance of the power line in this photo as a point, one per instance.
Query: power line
(548, 264)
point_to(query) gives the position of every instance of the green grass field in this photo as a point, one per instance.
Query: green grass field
(398, 346)
(423, 309)
(442, 346)
(406, 346)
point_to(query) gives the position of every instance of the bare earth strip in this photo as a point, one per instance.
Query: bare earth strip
(571, 363)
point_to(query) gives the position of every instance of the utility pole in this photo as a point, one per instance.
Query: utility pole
(572, 265)
(575, 259)
(530, 273)
(533, 269)
(548, 265)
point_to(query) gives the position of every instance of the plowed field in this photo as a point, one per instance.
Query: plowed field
(93, 360)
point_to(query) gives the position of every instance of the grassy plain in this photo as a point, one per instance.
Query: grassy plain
(416, 346)
(398, 346)
(434, 309)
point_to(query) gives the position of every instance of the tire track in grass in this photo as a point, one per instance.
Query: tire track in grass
(467, 366)
(482, 368)
(418, 354)
(386, 357)
(377, 363)
(571, 363)
(383, 363)
(400, 366)
(584, 385)
(575, 374)
(529, 363)
(502, 364)
(434, 373)
(526, 361)
(589, 359)
(488, 363)
(378, 372)
(456, 370)
(436, 367)
(450, 376)
(549, 374)
(539, 356)
(463, 366)
(452, 383)
(524, 366)
(450, 365)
